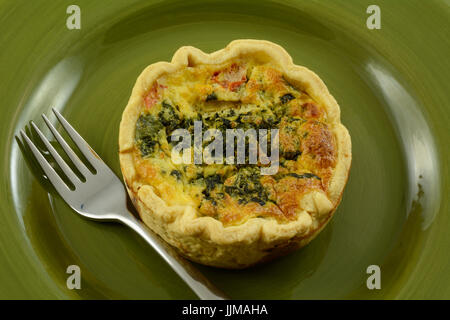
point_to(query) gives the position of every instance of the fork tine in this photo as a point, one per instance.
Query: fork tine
(67, 149)
(60, 161)
(84, 147)
(51, 174)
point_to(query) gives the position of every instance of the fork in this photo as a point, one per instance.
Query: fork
(102, 197)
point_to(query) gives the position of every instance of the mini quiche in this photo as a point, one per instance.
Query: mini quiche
(231, 215)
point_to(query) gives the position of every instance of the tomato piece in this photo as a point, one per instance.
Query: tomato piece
(233, 86)
(153, 96)
(231, 78)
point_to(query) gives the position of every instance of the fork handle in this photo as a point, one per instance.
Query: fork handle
(202, 287)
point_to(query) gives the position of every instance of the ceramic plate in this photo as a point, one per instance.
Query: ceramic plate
(392, 85)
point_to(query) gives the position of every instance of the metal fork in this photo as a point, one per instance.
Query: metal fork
(102, 196)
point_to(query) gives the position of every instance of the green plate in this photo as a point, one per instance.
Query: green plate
(393, 88)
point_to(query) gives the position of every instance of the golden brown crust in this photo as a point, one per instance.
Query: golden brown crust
(204, 239)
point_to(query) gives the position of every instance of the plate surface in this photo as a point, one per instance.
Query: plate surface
(393, 88)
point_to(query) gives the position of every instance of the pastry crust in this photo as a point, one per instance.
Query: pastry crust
(207, 240)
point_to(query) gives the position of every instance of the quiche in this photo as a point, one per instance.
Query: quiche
(233, 214)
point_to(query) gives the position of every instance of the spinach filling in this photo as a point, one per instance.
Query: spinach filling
(148, 132)
(247, 187)
(149, 129)
(169, 117)
(211, 97)
(286, 98)
(211, 183)
(304, 175)
(176, 174)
